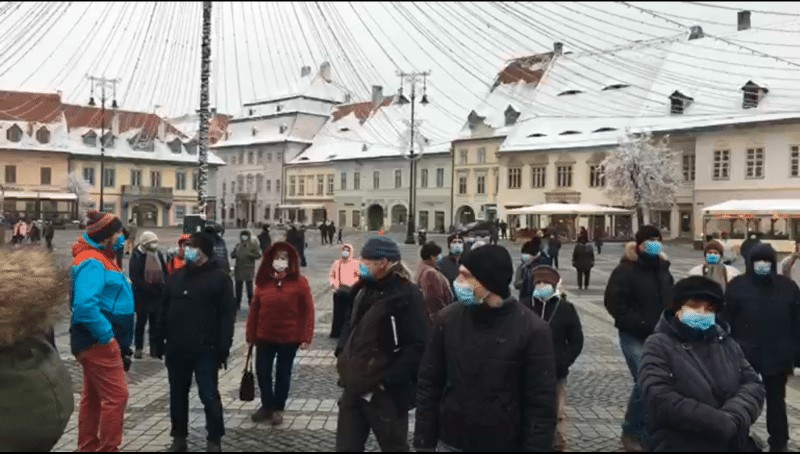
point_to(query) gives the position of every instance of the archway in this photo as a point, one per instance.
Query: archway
(465, 215)
(399, 215)
(375, 217)
(146, 215)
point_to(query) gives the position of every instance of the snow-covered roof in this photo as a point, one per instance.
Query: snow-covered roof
(319, 85)
(763, 207)
(189, 125)
(261, 131)
(589, 99)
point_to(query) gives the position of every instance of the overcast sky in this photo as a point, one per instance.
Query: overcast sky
(259, 47)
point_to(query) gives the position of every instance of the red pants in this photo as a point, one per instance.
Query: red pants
(103, 401)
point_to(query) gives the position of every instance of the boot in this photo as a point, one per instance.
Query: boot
(277, 417)
(214, 446)
(137, 354)
(178, 445)
(261, 415)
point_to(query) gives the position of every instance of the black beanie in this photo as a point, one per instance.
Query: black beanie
(204, 242)
(647, 232)
(699, 288)
(379, 248)
(491, 265)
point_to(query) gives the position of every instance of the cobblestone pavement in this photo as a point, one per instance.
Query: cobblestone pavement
(598, 387)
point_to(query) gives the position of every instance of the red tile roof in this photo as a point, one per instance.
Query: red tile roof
(30, 107)
(90, 117)
(515, 72)
(218, 127)
(362, 110)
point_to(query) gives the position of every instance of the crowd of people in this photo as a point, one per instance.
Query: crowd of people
(482, 369)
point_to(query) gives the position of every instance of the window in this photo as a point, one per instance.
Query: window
(330, 185)
(14, 134)
(259, 182)
(90, 139)
(108, 139)
(109, 178)
(291, 185)
(481, 185)
(596, 177)
(249, 157)
(43, 135)
(688, 167)
(462, 157)
(755, 163)
(46, 175)
(136, 177)
(241, 157)
(398, 178)
(175, 146)
(180, 180)
(260, 157)
(320, 184)
(795, 161)
(343, 182)
(180, 211)
(440, 177)
(423, 220)
(278, 186)
(481, 155)
(269, 187)
(564, 175)
(376, 180)
(250, 184)
(224, 187)
(109, 207)
(269, 156)
(538, 176)
(88, 175)
(240, 183)
(462, 184)
(266, 211)
(514, 177)
(278, 155)
(722, 163)
(356, 181)
(423, 180)
(196, 180)
(356, 219)
(495, 174)
(301, 187)
(155, 179)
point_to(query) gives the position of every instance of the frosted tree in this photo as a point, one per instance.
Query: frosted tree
(79, 187)
(643, 171)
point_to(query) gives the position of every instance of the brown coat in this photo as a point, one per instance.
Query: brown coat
(435, 288)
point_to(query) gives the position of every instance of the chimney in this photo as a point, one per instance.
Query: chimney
(213, 112)
(743, 20)
(696, 32)
(377, 94)
(325, 72)
(305, 71)
(558, 48)
(162, 130)
(347, 98)
(114, 123)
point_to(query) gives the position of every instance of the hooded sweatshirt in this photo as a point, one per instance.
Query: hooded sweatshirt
(344, 272)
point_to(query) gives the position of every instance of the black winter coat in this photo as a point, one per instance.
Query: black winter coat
(487, 382)
(565, 325)
(383, 340)
(583, 257)
(264, 240)
(700, 393)
(146, 296)
(449, 265)
(197, 312)
(764, 314)
(637, 293)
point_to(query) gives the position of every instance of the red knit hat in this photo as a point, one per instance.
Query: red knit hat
(102, 226)
(184, 238)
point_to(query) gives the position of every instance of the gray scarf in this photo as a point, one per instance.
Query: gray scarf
(717, 273)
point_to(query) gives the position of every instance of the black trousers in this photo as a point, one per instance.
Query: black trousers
(777, 421)
(142, 318)
(555, 260)
(583, 278)
(249, 285)
(357, 416)
(341, 306)
(204, 366)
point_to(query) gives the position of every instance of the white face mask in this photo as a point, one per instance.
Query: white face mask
(345, 254)
(280, 265)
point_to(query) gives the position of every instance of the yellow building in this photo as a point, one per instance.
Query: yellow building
(309, 192)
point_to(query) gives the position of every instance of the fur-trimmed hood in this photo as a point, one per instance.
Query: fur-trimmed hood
(630, 253)
(33, 294)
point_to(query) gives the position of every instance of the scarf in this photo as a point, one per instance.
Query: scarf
(153, 274)
(717, 273)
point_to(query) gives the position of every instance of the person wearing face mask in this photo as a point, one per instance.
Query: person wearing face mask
(342, 276)
(763, 309)
(148, 272)
(700, 392)
(531, 258)
(101, 331)
(244, 269)
(449, 264)
(379, 352)
(217, 232)
(195, 332)
(487, 382)
(714, 267)
(178, 260)
(280, 321)
(431, 281)
(552, 306)
(638, 291)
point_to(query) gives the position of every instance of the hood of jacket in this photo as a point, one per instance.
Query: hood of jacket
(266, 271)
(352, 252)
(762, 251)
(33, 293)
(85, 243)
(631, 253)
(671, 326)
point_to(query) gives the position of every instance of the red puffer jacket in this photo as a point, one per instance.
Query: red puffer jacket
(283, 309)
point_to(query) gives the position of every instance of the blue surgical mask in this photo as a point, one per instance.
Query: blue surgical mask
(526, 258)
(544, 292)
(364, 272)
(345, 254)
(190, 254)
(653, 248)
(244, 238)
(762, 268)
(119, 245)
(699, 321)
(440, 257)
(457, 249)
(465, 294)
(713, 259)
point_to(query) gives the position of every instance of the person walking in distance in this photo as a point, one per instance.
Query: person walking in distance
(280, 321)
(148, 272)
(583, 260)
(555, 247)
(20, 232)
(101, 332)
(264, 238)
(49, 234)
(342, 276)
(763, 309)
(379, 352)
(195, 332)
(487, 382)
(245, 253)
(331, 232)
(323, 232)
(638, 291)
(434, 286)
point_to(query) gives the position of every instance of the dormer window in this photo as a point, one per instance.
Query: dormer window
(615, 87)
(345, 129)
(536, 135)
(282, 129)
(752, 94)
(43, 135)
(569, 133)
(279, 108)
(108, 139)
(90, 139)
(511, 116)
(251, 112)
(191, 147)
(254, 131)
(14, 134)
(679, 102)
(474, 119)
(569, 92)
(364, 147)
(605, 130)
(175, 146)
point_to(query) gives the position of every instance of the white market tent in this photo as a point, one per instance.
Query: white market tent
(569, 208)
(765, 207)
(784, 212)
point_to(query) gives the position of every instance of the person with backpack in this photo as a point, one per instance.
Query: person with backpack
(583, 260)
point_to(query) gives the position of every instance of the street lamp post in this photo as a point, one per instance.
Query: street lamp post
(103, 83)
(413, 78)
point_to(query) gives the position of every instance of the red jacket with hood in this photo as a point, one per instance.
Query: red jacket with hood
(282, 310)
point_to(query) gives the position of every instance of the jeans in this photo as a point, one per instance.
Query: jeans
(357, 416)
(634, 424)
(583, 278)
(249, 285)
(204, 366)
(103, 400)
(777, 423)
(275, 398)
(142, 318)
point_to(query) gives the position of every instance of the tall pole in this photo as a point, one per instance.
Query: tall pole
(205, 70)
(413, 78)
(103, 83)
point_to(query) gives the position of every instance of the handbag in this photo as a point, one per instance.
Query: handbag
(247, 389)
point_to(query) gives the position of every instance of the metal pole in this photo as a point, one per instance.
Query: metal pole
(205, 70)
(412, 167)
(102, 141)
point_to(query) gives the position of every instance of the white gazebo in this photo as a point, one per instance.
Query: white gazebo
(778, 220)
(571, 212)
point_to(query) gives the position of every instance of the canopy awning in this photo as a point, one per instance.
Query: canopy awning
(568, 208)
(32, 195)
(762, 207)
(302, 206)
